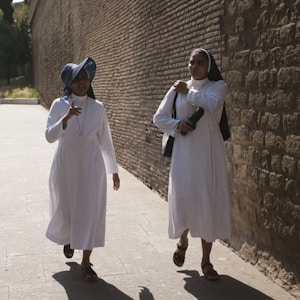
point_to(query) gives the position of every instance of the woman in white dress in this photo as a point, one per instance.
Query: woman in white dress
(84, 155)
(198, 197)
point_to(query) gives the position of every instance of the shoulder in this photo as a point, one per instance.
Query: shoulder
(217, 84)
(60, 102)
(63, 100)
(97, 105)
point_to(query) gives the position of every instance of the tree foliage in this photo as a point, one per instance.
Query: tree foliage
(7, 9)
(15, 39)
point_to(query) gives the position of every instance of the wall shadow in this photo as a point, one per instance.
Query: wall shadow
(227, 288)
(79, 289)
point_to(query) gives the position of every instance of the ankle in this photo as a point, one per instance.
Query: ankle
(205, 261)
(183, 241)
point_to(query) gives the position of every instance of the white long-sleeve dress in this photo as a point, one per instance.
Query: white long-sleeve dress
(77, 182)
(198, 197)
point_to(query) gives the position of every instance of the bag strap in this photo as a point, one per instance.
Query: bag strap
(224, 127)
(174, 106)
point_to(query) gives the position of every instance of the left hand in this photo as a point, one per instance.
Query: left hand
(185, 127)
(116, 181)
(181, 87)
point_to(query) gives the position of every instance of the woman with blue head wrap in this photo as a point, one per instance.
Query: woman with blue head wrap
(84, 155)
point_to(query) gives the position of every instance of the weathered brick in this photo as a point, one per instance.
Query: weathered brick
(280, 15)
(251, 80)
(287, 34)
(277, 182)
(266, 78)
(249, 118)
(258, 138)
(293, 145)
(291, 123)
(274, 142)
(289, 166)
(264, 179)
(276, 164)
(235, 78)
(259, 59)
(272, 121)
(257, 100)
(288, 77)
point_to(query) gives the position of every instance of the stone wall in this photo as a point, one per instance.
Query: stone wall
(262, 62)
(142, 47)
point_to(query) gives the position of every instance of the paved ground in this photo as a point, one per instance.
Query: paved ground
(136, 262)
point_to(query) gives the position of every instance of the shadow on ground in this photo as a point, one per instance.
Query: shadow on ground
(227, 288)
(79, 289)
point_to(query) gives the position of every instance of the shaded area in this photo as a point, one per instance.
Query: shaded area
(227, 288)
(145, 294)
(79, 289)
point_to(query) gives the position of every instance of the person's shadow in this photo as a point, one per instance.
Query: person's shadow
(145, 294)
(79, 289)
(226, 288)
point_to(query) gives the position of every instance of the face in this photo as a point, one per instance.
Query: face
(80, 84)
(198, 66)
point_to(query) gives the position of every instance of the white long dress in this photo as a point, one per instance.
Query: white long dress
(77, 183)
(198, 197)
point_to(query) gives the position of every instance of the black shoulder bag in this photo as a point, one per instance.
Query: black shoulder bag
(168, 140)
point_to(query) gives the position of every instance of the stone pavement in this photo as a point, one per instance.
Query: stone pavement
(136, 262)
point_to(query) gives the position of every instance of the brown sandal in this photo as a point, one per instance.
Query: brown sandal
(89, 274)
(68, 251)
(178, 258)
(209, 272)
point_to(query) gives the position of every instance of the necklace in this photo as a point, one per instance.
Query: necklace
(81, 128)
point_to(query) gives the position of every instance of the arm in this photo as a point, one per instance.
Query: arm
(210, 97)
(163, 116)
(54, 128)
(106, 144)
(60, 113)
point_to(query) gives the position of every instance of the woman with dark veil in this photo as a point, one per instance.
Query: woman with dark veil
(198, 197)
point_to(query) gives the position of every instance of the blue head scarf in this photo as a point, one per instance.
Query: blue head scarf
(70, 71)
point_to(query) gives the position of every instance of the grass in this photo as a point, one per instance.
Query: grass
(18, 88)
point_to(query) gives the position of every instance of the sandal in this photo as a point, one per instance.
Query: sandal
(68, 252)
(179, 258)
(89, 274)
(209, 272)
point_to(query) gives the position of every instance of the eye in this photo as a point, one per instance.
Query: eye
(201, 62)
(192, 62)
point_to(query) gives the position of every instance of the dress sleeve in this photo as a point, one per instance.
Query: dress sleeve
(106, 145)
(163, 116)
(54, 128)
(209, 97)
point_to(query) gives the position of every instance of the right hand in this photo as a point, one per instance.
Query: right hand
(73, 111)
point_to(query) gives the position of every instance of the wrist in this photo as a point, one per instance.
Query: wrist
(177, 126)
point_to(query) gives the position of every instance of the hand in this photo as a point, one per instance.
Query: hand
(116, 181)
(185, 127)
(181, 87)
(73, 111)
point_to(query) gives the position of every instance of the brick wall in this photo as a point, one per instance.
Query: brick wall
(261, 61)
(142, 47)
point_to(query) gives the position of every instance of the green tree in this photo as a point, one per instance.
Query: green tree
(23, 37)
(6, 45)
(15, 41)
(7, 9)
